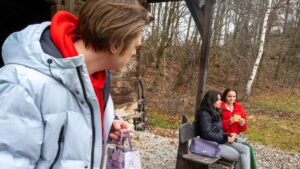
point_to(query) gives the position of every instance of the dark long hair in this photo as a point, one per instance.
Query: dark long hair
(226, 91)
(207, 104)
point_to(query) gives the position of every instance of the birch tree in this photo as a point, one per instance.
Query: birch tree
(260, 51)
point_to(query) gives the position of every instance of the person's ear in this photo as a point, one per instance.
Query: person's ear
(113, 50)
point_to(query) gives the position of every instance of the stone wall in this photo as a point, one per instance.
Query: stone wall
(124, 85)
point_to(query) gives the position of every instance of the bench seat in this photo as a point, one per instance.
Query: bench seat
(200, 159)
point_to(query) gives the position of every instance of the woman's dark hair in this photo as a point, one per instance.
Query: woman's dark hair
(226, 91)
(207, 104)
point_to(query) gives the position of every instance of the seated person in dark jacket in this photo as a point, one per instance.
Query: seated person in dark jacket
(209, 125)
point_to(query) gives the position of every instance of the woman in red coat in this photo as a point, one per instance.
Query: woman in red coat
(234, 116)
(234, 120)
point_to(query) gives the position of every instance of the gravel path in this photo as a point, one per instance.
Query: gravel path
(160, 153)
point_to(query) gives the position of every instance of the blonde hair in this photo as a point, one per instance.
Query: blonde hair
(104, 24)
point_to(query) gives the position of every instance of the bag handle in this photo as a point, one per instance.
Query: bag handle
(128, 136)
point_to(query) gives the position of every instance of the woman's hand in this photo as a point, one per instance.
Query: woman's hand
(242, 121)
(231, 120)
(231, 139)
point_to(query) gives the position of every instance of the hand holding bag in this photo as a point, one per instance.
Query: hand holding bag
(123, 158)
(203, 147)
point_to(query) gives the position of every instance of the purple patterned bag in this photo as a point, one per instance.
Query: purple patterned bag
(206, 148)
(123, 158)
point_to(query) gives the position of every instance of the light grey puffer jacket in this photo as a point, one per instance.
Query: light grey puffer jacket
(49, 114)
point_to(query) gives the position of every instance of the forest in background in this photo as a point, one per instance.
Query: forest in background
(169, 59)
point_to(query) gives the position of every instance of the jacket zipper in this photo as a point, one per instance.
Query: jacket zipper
(92, 116)
(60, 140)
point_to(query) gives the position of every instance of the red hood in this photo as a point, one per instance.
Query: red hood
(62, 32)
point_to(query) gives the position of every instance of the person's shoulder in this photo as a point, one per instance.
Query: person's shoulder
(204, 113)
(223, 107)
(238, 105)
(10, 70)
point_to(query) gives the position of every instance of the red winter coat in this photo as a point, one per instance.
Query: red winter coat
(234, 127)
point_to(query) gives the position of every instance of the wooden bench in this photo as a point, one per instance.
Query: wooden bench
(187, 160)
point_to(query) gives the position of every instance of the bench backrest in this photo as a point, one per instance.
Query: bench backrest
(187, 131)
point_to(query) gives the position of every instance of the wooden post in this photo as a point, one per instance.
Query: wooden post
(202, 14)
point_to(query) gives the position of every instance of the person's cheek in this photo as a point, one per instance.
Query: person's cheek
(134, 52)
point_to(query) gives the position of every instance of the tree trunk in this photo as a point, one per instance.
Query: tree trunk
(188, 31)
(165, 40)
(156, 32)
(260, 51)
(281, 56)
(226, 22)
(175, 17)
(153, 11)
(184, 63)
(217, 35)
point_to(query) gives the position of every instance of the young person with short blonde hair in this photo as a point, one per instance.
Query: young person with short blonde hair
(56, 110)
